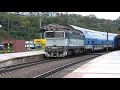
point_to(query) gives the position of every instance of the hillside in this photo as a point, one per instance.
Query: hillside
(28, 27)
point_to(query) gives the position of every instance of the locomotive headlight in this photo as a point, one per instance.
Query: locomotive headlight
(48, 47)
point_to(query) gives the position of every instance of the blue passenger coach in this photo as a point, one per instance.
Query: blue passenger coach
(94, 40)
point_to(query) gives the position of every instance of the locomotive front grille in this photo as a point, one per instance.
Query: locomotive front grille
(54, 49)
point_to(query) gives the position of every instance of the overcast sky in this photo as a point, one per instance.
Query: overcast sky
(105, 15)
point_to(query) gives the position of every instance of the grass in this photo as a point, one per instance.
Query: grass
(38, 49)
(1, 51)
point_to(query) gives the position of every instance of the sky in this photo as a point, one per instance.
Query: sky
(104, 15)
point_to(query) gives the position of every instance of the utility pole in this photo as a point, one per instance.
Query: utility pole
(16, 35)
(8, 37)
(40, 29)
(28, 32)
(40, 22)
(107, 40)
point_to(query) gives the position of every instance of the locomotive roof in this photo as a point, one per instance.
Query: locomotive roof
(57, 27)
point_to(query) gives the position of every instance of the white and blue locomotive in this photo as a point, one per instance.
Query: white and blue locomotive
(67, 40)
(62, 41)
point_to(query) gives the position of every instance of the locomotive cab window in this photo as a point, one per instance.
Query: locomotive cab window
(55, 34)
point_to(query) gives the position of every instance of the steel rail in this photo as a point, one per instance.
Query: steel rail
(48, 73)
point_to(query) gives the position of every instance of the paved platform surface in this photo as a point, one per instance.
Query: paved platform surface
(105, 66)
(4, 57)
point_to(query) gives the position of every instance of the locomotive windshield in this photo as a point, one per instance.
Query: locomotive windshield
(54, 34)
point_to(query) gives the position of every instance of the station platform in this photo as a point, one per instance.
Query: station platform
(4, 57)
(105, 66)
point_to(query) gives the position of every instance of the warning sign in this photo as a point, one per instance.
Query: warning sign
(39, 41)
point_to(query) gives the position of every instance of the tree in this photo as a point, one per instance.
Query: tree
(19, 25)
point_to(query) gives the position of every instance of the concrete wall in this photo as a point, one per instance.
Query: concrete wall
(21, 60)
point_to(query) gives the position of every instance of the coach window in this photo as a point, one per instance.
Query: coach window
(88, 41)
(102, 42)
(93, 42)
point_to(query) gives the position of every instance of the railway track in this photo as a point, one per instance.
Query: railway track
(45, 67)
(48, 73)
(20, 66)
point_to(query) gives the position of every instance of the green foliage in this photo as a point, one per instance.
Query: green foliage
(20, 27)
(27, 27)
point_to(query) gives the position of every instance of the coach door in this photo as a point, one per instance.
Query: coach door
(117, 42)
(93, 45)
(102, 45)
(112, 45)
